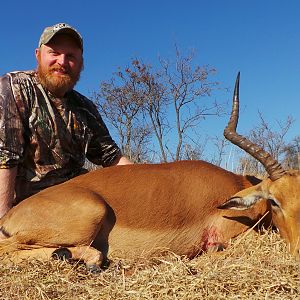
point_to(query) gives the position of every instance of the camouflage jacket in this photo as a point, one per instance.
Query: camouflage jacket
(48, 138)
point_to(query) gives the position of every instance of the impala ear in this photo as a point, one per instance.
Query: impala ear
(241, 203)
(245, 199)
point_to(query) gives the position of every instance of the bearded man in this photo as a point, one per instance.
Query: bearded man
(47, 129)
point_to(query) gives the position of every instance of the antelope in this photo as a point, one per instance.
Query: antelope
(186, 207)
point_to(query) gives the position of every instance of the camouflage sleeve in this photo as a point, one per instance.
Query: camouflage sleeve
(11, 127)
(102, 149)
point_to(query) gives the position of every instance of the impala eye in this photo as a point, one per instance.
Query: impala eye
(273, 202)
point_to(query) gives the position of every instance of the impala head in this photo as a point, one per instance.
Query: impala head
(282, 188)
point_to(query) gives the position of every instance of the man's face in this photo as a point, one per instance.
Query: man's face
(59, 64)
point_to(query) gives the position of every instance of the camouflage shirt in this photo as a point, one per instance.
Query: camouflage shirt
(48, 138)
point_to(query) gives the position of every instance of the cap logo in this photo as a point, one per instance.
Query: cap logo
(59, 26)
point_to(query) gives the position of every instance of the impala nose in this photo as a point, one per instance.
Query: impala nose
(297, 254)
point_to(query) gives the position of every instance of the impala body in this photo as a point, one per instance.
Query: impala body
(134, 210)
(185, 207)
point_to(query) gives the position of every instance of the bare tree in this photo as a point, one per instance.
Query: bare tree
(186, 86)
(162, 107)
(121, 102)
(155, 102)
(292, 154)
(139, 146)
(220, 144)
(270, 140)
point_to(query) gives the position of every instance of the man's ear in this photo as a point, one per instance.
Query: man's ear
(37, 53)
(244, 199)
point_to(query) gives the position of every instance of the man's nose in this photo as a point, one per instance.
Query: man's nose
(62, 59)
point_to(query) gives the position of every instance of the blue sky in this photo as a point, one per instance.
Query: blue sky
(260, 38)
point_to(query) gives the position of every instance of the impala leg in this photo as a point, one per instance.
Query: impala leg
(18, 256)
(89, 255)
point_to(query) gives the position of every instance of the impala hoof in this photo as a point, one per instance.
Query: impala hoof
(94, 269)
(62, 254)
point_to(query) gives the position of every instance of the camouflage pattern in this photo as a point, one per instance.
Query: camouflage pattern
(48, 138)
(50, 32)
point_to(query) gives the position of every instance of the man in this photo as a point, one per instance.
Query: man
(47, 129)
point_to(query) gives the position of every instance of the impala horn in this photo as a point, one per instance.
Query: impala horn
(271, 165)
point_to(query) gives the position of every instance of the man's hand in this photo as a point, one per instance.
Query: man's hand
(122, 160)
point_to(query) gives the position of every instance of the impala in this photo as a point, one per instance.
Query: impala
(186, 207)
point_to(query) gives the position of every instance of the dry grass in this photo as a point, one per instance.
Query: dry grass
(254, 267)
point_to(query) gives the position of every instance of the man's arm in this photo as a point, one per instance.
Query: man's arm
(7, 189)
(12, 119)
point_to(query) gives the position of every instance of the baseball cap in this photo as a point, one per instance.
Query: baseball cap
(50, 32)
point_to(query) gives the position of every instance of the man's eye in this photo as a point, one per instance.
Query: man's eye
(72, 57)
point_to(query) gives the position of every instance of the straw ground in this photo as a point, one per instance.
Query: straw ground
(253, 267)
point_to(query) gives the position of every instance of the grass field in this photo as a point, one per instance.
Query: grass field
(253, 267)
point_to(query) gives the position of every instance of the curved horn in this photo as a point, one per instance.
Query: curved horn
(271, 165)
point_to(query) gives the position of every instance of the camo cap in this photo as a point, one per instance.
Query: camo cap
(50, 32)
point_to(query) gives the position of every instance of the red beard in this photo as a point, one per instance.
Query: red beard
(57, 84)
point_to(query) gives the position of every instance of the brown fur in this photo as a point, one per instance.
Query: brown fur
(134, 210)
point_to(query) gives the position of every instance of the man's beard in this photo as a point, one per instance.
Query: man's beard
(58, 84)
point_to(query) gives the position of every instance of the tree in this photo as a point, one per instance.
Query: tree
(159, 110)
(155, 101)
(270, 140)
(220, 144)
(292, 154)
(121, 102)
(186, 87)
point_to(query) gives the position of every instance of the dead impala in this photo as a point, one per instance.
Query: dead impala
(144, 208)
